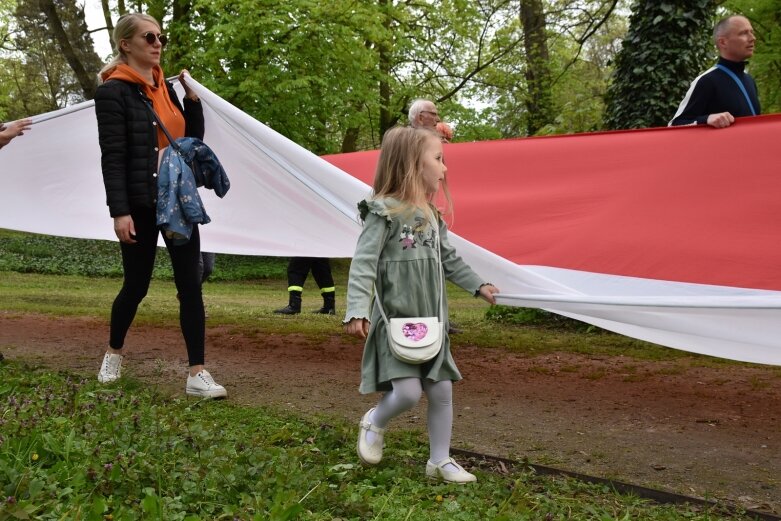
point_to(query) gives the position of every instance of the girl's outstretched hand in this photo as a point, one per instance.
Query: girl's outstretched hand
(357, 327)
(487, 293)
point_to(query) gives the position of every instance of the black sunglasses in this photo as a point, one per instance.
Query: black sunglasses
(150, 38)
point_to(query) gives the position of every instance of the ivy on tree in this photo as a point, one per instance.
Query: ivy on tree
(667, 46)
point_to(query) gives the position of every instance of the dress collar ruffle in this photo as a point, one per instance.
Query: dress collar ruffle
(384, 207)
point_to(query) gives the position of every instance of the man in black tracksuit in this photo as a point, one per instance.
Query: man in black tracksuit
(725, 91)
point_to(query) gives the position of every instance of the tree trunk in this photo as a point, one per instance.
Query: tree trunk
(538, 77)
(350, 141)
(385, 65)
(87, 80)
(109, 22)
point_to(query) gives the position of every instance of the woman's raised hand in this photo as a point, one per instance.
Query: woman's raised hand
(188, 92)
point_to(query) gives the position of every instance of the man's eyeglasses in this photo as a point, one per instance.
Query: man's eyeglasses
(435, 114)
(150, 38)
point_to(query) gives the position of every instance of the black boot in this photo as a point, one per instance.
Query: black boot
(329, 304)
(294, 305)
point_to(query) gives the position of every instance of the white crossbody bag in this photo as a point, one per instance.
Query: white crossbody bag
(416, 340)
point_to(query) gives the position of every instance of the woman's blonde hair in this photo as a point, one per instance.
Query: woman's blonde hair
(399, 168)
(125, 29)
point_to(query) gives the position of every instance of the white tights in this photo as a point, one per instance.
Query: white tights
(405, 394)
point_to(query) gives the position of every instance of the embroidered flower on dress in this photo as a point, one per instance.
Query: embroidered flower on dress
(424, 233)
(407, 237)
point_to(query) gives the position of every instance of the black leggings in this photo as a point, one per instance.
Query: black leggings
(138, 260)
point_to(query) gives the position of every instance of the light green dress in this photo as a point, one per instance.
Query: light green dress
(398, 252)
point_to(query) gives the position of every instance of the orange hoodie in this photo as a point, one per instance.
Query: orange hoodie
(166, 110)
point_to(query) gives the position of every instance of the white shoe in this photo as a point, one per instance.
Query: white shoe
(110, 369)
(369, 453)
(439, 471)
(202, 384)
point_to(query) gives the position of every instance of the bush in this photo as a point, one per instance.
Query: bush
(536, 317)
(46, 254)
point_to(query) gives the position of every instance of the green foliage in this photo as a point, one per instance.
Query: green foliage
(765, 65)
(583, 81)
(30, 253)
(245, 267)
(306, 69)
(667, 45)
(34, 73)
(332, 76)
(581, 50)
(73, 449)
(535, 317)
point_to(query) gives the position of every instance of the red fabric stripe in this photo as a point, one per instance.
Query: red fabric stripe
(690, 204)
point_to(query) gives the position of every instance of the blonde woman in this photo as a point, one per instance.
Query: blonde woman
(130, 143)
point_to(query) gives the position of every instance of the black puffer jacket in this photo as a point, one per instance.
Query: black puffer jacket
(128, 143)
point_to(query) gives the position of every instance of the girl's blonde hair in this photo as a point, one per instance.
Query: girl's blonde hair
(399, 169)
(126, 28)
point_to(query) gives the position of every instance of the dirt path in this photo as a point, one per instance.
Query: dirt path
(709, 432)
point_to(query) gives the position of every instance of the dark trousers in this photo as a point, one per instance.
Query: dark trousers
(298, 268)
(138, 261)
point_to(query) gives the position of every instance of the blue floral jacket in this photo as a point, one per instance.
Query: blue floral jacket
(185, 167)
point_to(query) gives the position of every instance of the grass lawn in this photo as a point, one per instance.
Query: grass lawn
(72, 449)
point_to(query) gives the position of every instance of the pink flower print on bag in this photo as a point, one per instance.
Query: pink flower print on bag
(415, 331)
(415, 340)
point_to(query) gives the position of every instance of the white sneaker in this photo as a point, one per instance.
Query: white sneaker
(202, 384)
(111, 369)
(454, 474)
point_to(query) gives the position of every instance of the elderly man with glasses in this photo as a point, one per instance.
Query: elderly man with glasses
(423, 114)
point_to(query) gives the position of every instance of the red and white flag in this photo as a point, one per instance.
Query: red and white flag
(668, 235)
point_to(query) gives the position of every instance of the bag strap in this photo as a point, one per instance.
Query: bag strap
(742, 87)
(148, 104)
(439, 271)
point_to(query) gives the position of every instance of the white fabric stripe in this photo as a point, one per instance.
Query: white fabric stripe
(688, 96)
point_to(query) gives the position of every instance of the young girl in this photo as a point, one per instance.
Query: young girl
(397, 251)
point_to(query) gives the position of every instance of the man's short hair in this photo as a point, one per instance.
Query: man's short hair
(418, 106)
(722, 26)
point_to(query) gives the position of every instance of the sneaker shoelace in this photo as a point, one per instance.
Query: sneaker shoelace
(111, 364)
(207, 379)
